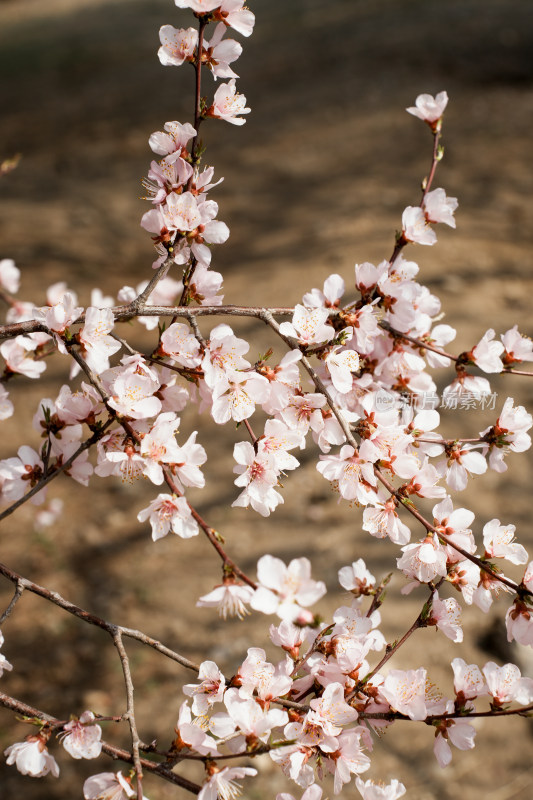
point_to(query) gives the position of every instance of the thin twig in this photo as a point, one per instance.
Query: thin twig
(14, 600)
(130, 710)
(92, 619)
(115, 752)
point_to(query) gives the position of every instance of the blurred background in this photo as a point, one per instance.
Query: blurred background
(314, 182)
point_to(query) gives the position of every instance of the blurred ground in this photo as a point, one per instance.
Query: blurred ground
(315, 181)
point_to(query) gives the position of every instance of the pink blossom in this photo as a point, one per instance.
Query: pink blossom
(221, 53)
(97, 345)
(439, 208)
(293, 761)
(330, 297)
(238, 400)
(284, 589)
(9, 275)
(429, 109)
(59, 316)
(181, 345)
(519, 623)
(406, 692)
(424, 483)
(461, 461)
(308, 326)
(223, 353)
(341, 364)
(108, 786)
(6, 406)
(423, 560)
(378, 791)
(330, 711)
(499, 543)
(172, 139)
(177, 45)
(381, 519)
(258, 676)
(348, 759)
(181, 212)
(198, 6)
(288, 636)
(117, 457)
(506, 684)
(459, 732)
(313, 792)
(20, 473)
(352, 472)
(415, 227)
(446, 615)
(82, 738)
(468, 681)
(205, 285)
(222, 784)
(235, 14)
(15, 352)
(72, 407)
(517, 347)
(209, 691)
(168, 512)
(5, 666)
(257, 474)
(230, 599)
(32, 758)
(191, 735)
(357, 578)
(228, 104)
(132, 388)
(509, 434)
(159, 446)
(252, 719)
(486, 354)
(303, 412)
(276, 441)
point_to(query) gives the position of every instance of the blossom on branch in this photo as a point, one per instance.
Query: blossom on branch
(429, 109)
(32, 758)
(82, 739)
(169, 513)
(177, 45)
(228, 104)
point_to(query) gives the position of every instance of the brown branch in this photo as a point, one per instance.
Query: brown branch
(130, 710)
(418, 342)
(496, 712)
(14, 600)
(129, 312)
(115, 752)
(92, 619)
(210, 532)
(510, 371)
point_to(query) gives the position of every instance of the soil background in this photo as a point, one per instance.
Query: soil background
(314, 182)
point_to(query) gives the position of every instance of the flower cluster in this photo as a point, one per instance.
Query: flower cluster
(353, 350)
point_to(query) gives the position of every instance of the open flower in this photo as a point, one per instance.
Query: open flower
(228, 104)
(429, 109)
(32, 758)
(222, 784)
(82, 738)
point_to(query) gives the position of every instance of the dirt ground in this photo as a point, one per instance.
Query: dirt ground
(314, 182)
